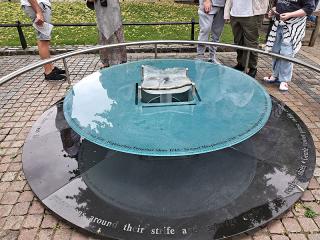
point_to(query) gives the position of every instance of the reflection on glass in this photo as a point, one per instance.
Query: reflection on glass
(70, 139)
(102, 108)
(91, 113)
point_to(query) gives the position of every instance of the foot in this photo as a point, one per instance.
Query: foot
(283, 86)
(58, 70)
(252, 72)
(239, 67)
(270, 79)
(54, 76)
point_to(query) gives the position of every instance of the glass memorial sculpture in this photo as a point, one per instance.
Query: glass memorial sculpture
(168, 149)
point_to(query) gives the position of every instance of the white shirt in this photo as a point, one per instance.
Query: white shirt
(242, 8)
(26, 2)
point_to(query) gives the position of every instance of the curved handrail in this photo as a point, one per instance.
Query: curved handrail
(182, 42)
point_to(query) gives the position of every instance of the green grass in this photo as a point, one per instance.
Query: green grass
(131, 12)
(309, 212)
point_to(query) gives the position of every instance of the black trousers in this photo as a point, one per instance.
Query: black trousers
(246, 33)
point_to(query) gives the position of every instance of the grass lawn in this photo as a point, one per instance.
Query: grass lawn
(77, 12)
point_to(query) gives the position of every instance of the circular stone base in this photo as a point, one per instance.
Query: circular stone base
(206, 196)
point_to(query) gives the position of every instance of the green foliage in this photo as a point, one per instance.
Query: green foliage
(132, 12)
(309, 212)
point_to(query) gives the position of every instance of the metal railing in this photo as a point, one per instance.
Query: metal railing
(24, 44)
(64, 56)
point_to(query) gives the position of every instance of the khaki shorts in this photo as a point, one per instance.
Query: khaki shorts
(46, 11)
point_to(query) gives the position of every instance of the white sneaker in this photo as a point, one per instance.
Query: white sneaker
(270, 79)
(283, 86)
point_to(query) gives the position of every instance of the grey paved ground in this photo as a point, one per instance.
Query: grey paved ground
(25, 98)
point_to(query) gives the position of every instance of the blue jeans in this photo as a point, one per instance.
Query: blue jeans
(282, 69)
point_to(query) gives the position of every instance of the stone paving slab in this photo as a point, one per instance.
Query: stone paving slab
(25, 98)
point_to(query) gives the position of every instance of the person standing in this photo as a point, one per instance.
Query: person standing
(246, 18)
(211, 24)
(39, 12)
(286, 36)
(110, 28)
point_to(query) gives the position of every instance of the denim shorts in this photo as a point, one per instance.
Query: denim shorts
(46, 11)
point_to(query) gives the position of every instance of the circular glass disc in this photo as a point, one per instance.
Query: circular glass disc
(226, 108)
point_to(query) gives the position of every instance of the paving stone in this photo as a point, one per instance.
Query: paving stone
(261, 238)
(21, 176)
(261, 233)
(62, 234)
(287, 214)
(63, 225)
(5, 210)
(17, 186)
(308, 224)
(36, 208)
(13, 223)
(316, 194)
(8, 176)
(4, 186)
(297, 236)
(26, 197)
(279, 237)
(307, 196)
(32, 221)
(317, 220)
(291, 225)
(2, 222)
(314, 206)
(9, 235)
(27, 187)
(4, 167)
(276, 227)
(15, 166)
(314, 236)
(49, 221)
(18, 144)
(10, 198)
(28, 234)
(20, 209)
(45, 234)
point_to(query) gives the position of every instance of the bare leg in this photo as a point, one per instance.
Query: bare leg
(44, 52)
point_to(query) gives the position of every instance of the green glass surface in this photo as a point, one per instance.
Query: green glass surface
(230, 108)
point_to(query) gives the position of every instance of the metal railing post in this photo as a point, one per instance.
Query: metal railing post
(247, 61)
(155, 51)
(67, 70)
(192, 29)
(21, 36)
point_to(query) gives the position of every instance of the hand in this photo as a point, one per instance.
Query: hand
(207, 6)
(227, 21)
(272, 12)
(39, 19)
(285, 16)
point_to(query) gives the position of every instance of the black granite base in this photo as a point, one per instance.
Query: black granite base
(206, 196)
